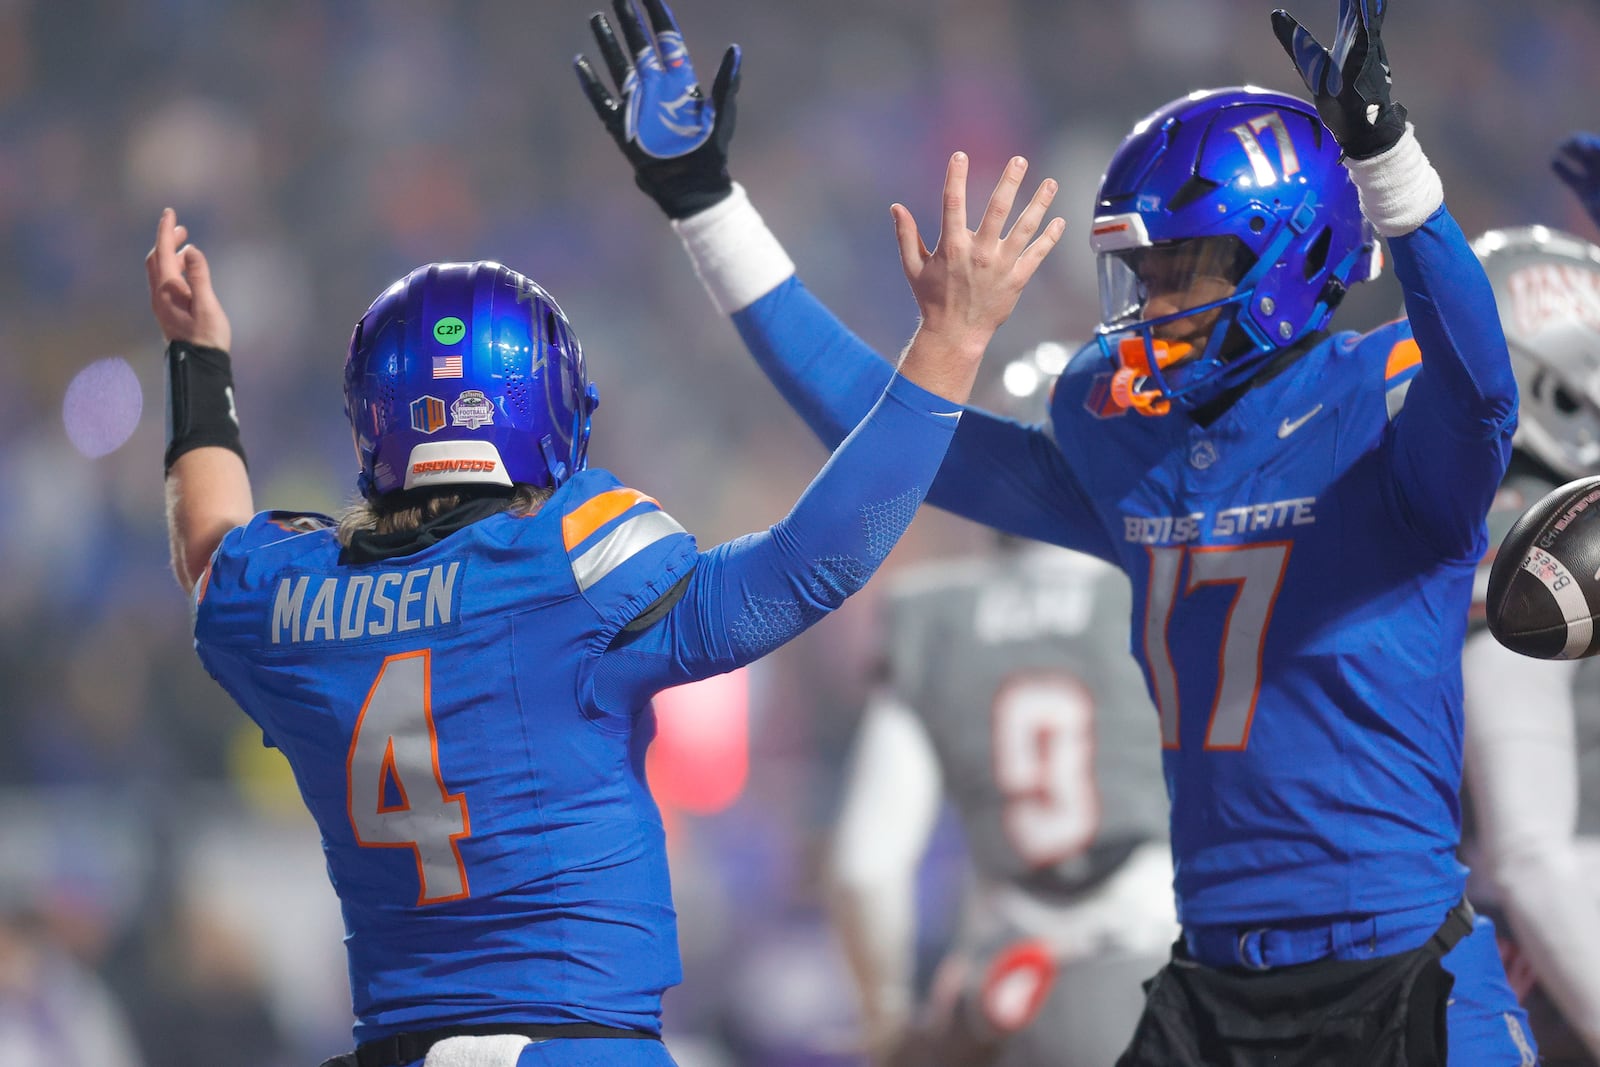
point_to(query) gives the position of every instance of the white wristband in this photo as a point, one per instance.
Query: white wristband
(1399, 189)
(737, 258)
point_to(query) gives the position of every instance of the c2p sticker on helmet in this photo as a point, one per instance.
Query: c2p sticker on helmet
(472, 409)
(449, 330)
(427, 414)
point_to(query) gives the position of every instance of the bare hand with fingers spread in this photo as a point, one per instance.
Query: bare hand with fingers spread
(969, 283)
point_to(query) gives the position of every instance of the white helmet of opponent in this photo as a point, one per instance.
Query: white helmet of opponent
(1547, 286)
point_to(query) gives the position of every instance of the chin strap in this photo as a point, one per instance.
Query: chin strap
(557, 467)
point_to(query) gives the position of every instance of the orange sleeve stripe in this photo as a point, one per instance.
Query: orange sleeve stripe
(1402, 357)
(595, 513)
(203, 584)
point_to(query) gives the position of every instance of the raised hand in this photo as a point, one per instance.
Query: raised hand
(675, 138)
(1350, 85)
(1577, 162)
(968, 284)
(186, 306)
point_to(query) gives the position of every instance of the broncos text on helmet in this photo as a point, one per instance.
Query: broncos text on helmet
(466, 373)
(1547, 287)
(1226, 231)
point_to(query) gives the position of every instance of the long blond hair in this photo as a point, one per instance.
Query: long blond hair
(395, 512)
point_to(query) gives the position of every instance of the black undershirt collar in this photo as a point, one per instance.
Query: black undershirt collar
(368, 547)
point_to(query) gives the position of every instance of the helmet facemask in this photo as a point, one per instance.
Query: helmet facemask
(1168, 310)
(1559, 408)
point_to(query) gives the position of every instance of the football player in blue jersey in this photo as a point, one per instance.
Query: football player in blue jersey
(1300, 512)
(459, 672)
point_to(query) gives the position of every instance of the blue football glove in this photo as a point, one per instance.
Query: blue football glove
(1349, 85)
(676, 139)
(1577, 162)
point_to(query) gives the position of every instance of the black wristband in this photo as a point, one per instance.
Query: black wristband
(199, 401)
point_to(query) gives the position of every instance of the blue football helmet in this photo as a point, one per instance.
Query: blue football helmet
(1226, 231)
(466, 373)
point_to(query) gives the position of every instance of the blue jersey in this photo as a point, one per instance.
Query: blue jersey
(468, 722)
(495, 850)
(1300, 626)
(1302, 569)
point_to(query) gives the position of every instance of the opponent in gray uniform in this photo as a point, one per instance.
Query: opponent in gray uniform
(1532, 836)
(1009, 690)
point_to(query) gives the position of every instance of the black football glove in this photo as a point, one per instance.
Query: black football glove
(1350, 85)
(676, 139)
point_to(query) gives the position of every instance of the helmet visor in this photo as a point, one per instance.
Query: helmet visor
(1144, 284)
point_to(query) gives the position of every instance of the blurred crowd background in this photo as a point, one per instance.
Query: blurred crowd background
(162, 896)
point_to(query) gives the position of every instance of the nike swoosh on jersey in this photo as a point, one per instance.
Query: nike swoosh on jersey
(1287, 426)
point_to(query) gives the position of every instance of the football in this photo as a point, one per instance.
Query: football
(1545, 579)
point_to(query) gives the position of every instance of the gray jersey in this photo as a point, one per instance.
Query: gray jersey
(1586, 709)
(1019, 668)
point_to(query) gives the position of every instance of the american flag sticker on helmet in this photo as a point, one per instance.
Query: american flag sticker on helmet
(447, 366)
(427, 414)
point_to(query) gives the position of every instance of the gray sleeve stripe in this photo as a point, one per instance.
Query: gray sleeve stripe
(1395, 398)
(621, 544)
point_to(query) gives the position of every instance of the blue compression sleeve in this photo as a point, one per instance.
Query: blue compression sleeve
(827, 374)
(1452, 440)
(998, 472)
(750, 595)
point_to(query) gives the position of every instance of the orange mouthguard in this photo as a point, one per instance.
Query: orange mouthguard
(1127, 384)
(1134, 354)
(1127, 394)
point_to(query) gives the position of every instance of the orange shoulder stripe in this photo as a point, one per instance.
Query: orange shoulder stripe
(1402, 357)
(596, 512)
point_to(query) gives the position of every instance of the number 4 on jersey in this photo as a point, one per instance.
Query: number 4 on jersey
(393, 755)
